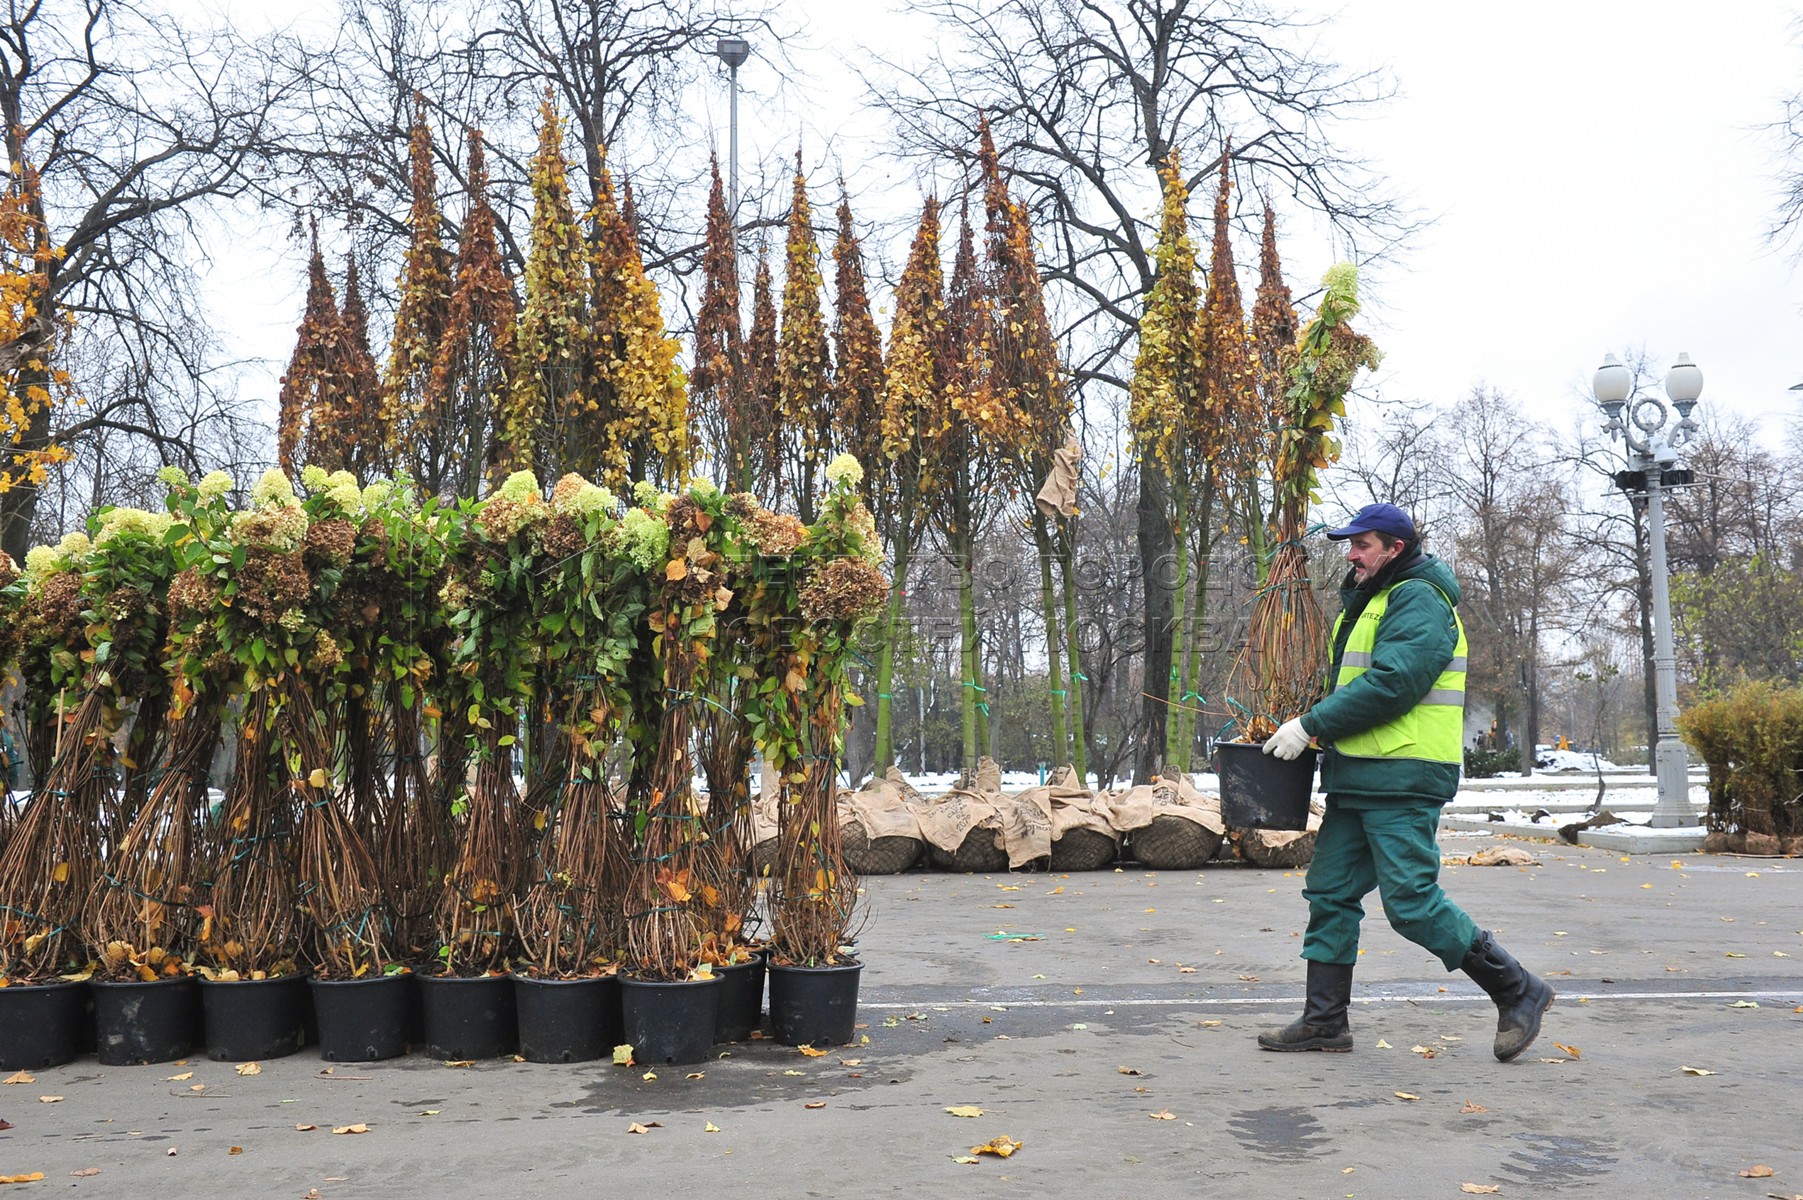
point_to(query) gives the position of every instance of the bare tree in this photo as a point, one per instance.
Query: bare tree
(134, 126)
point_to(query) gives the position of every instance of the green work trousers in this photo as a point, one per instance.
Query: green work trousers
(1393, 850)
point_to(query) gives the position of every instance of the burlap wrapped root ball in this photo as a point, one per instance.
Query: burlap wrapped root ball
(1174, 844)
(1080, 849)
(978, 854)
(887, 855)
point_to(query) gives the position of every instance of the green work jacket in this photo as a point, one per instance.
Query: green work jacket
(1414, 645)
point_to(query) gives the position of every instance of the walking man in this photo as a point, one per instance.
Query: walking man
(1392, 725)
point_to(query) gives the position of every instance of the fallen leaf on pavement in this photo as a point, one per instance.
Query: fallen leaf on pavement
(811, 1052)
(197, 1087)
(1211, 1024)
(710, 1127)
(851, 1062)
(1479, 1189)
(250, 1068)
(1128, 1070)
(1001, 1147)
(1757, 1171)
(460, 1062)
(1163, 1114)
(31, 1178)
(1186, 970)
(359, 1127)
(1407, 1096)
(50, 1099)
(622, 1056)
(182, 1078)
(1745, 1004)
(85, 1173)
(1383, 1045)
(236, 1150)
(5, 1124)
(1571, 1050)
(792, 1072)
(1424, 1051)
(1248, 979)
(965, 1110)
(306, 1128)
(649, 1076)
(21, 1077)
(1696, 1071)
(815, 1104)
(1473, 1108)
(635, 1127)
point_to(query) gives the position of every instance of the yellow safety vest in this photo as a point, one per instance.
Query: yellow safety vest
(1434, 729)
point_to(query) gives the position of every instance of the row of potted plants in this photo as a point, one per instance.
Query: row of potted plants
(463, 739)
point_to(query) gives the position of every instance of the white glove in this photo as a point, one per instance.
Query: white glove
(1289, 741)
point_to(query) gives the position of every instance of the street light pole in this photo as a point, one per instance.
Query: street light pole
(1653, 455)
(733, 51)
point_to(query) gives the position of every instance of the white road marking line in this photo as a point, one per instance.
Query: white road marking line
(1433, 998)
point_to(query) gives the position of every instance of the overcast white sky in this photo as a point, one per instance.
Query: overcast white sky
(1595, 169)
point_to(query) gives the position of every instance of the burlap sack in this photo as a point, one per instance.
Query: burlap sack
(879, 831)
(1083, 838)
(1282, 847)
(963, 828)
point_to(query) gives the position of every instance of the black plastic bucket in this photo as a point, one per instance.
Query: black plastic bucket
(153, 1022)
(363, 1020)
(670, 1023)
(814, 1006)
(41, 1024)
(741, 999)
(468, 1018)
(1262, 791)
(255, 1018)
(567, 1020)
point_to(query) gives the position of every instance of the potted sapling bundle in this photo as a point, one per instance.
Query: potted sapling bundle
(149, 916)
(269, 622)
(670, 995)
(591, 604)
(69, 833)
(799, 719)
(466, 991)
(360, 988)
(1280, 672)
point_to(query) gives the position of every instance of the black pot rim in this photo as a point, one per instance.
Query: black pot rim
(291, 977)
(48, 985)
(142, 983)
(854, 965)
(423, 977)
(366, 981)
(635, 981)
(553, 980)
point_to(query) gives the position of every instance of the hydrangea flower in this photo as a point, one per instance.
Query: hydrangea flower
(844, 471)
(272, 488)
(377, 494)
(74, 544)
(313, 478)
(172, 477)
(214, 484)
(131, 520)
(521, 487)
(43, 560)
(645, 539)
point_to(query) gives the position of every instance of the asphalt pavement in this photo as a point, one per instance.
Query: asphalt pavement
(1104, 1021)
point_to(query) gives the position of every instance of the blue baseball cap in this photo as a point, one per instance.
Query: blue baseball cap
(1377, 518)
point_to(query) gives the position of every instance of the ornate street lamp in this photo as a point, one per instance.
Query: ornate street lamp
(1644, 424)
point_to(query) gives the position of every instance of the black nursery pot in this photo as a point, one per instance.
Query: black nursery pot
(814, 1006)
(363, 1020)
(741, 999)
(670, 1022)
(466, 1018)
(137, 1023)
(41, 1024)
(255, 1018)
(567, 1020)
(1262, 791)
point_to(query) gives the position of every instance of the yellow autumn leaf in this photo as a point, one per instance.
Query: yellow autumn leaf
(250, 1068)
(965, 1110)
(1479, 1189)
(1001, 1147)
(61, 874)
(811, 1052)
(359, 1127)
(317, 778)
(1407, 1096)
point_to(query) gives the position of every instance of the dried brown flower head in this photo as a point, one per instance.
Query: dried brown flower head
(563, 536)
(191, 594)
(776, 534)
(330, 542)
(843, 589)
(270, 585)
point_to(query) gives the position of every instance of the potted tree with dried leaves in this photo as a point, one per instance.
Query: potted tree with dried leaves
(1279, 673)
(803, 614)
(591, 604)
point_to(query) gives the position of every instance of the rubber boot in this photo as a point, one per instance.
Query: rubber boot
(1322, 1025)
(1522, 998)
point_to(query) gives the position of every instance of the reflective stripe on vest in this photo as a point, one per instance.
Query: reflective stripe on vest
(1435, 728)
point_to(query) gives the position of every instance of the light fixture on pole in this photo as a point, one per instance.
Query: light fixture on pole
(733, 51)
(1642, 424)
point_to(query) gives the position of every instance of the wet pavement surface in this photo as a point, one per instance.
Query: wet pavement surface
(1106, 1021)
